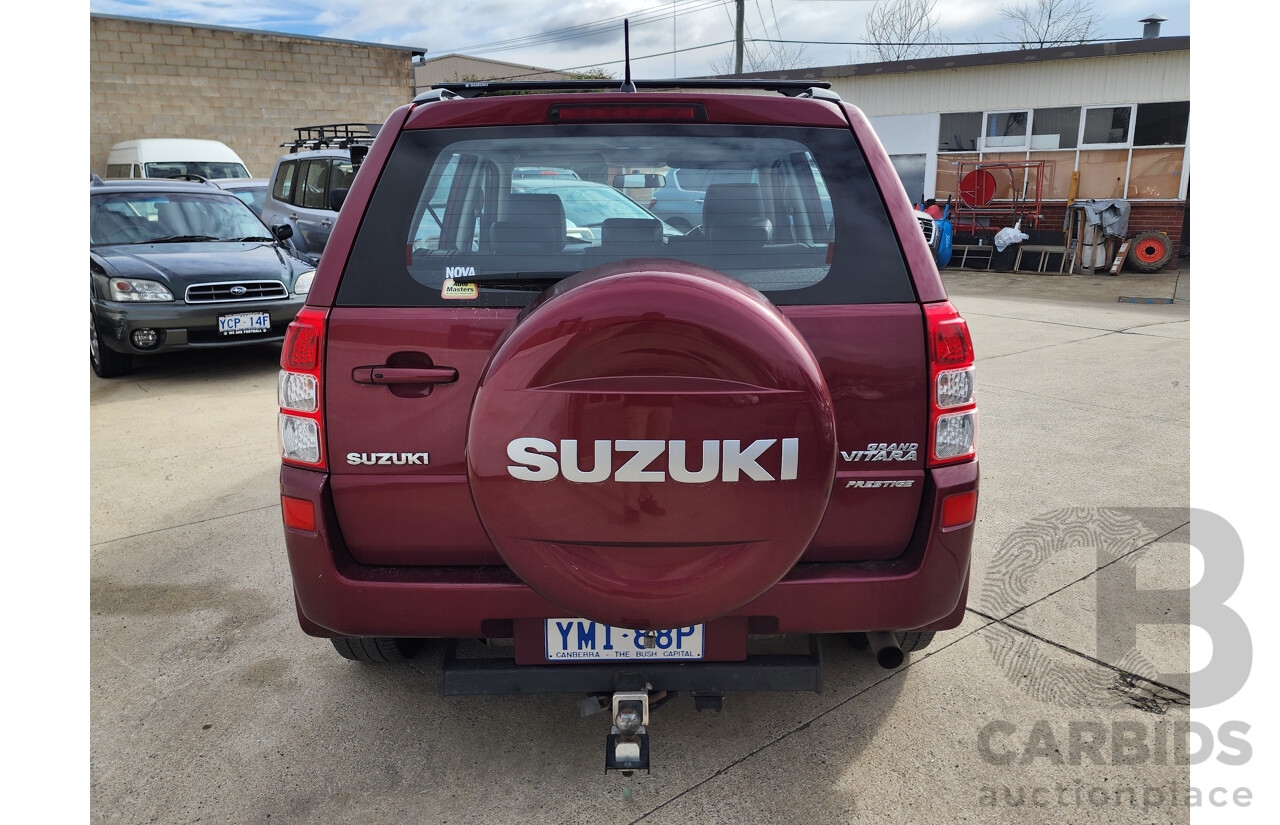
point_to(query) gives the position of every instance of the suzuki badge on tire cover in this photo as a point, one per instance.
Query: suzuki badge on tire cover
(652, 445)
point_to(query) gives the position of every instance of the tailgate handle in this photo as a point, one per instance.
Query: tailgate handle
(404, 375)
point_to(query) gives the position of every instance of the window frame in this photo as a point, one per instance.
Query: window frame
(1127, 143)
(986, 123)
(983, 150)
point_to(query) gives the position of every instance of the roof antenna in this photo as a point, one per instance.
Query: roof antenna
(627, 85)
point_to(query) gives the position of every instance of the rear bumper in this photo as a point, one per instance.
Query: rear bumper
(925, 588)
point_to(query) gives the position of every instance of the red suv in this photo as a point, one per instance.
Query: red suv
(621, 451)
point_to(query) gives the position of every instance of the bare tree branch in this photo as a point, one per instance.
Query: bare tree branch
(1038, 24)
(764, 57)
(904, 29)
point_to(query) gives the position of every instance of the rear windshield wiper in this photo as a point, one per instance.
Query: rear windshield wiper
(182, 239)
(537, 281)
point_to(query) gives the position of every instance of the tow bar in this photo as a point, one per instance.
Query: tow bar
(627, 746)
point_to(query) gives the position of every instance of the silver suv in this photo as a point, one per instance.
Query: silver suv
(309, 184)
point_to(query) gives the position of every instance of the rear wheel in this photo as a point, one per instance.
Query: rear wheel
(1150, 251)
(106, 362)
(375, 649)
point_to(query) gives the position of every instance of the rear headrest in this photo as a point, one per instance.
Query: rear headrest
(631, 231)
(735, 212)
(533, 223)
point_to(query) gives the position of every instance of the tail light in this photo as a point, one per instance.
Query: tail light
(953, 414)
(301, 423)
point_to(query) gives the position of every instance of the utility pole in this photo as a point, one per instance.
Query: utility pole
(737, 37)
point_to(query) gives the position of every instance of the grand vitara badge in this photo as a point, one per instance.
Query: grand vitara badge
(639, 460)
(883, 452)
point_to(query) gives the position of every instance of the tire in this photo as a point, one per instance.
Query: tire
(378, 650)
(1150, 252)
(106, 362)
(915, 640)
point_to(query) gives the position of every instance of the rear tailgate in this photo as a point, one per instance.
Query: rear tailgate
(394, 510)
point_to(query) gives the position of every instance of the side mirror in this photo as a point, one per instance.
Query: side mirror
(283, 232)
(638, 181)
(337, 197)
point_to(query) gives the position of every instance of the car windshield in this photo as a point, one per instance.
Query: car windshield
(254, 198)
(207, 169)
(161, 217)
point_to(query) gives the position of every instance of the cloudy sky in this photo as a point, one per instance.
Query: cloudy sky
(558, 35)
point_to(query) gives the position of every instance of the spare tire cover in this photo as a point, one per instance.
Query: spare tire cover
(652, 445)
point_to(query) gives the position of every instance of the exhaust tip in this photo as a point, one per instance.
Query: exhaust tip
(890, 657)
(888, 652)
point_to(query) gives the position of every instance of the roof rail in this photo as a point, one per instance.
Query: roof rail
(790, 88)
(333, 135)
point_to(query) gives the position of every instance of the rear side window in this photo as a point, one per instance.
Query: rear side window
(790, 211)
(314, 176)
(343, 173)
(284, 182)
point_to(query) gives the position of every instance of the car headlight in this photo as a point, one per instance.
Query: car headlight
(303, 285)
(135, 289)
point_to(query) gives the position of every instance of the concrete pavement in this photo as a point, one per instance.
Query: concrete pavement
(208, 703)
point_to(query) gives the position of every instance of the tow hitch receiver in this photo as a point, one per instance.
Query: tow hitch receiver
(627, 747)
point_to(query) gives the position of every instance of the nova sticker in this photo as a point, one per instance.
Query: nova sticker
(356, 459)
(883, 452)
(459, 291)
(880, 483)
(634, 460)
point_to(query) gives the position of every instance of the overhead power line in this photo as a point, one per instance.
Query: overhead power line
(595, 27)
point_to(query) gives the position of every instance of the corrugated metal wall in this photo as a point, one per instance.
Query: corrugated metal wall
(1141, 78)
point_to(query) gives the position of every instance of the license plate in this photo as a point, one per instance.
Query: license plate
(578, 640)
(244, 322)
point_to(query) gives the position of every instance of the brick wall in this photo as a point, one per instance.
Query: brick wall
(248, 90)
(1143, 217)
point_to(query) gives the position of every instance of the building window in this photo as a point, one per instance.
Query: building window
(1161, 124)
(1134, 151)
(1106, 125)
(1005, 130)
(1155, 173)
(1055, 128)
(959, 131)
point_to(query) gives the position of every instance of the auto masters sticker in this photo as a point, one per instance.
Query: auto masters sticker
(459, 291)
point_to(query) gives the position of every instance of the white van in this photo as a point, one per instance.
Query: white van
(171, 157)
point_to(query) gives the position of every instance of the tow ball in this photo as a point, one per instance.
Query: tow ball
(627, 747)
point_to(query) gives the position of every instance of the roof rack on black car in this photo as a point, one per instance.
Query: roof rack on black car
(333, 135)
(790, 88)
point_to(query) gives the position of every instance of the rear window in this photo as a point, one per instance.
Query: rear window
(790, 211)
